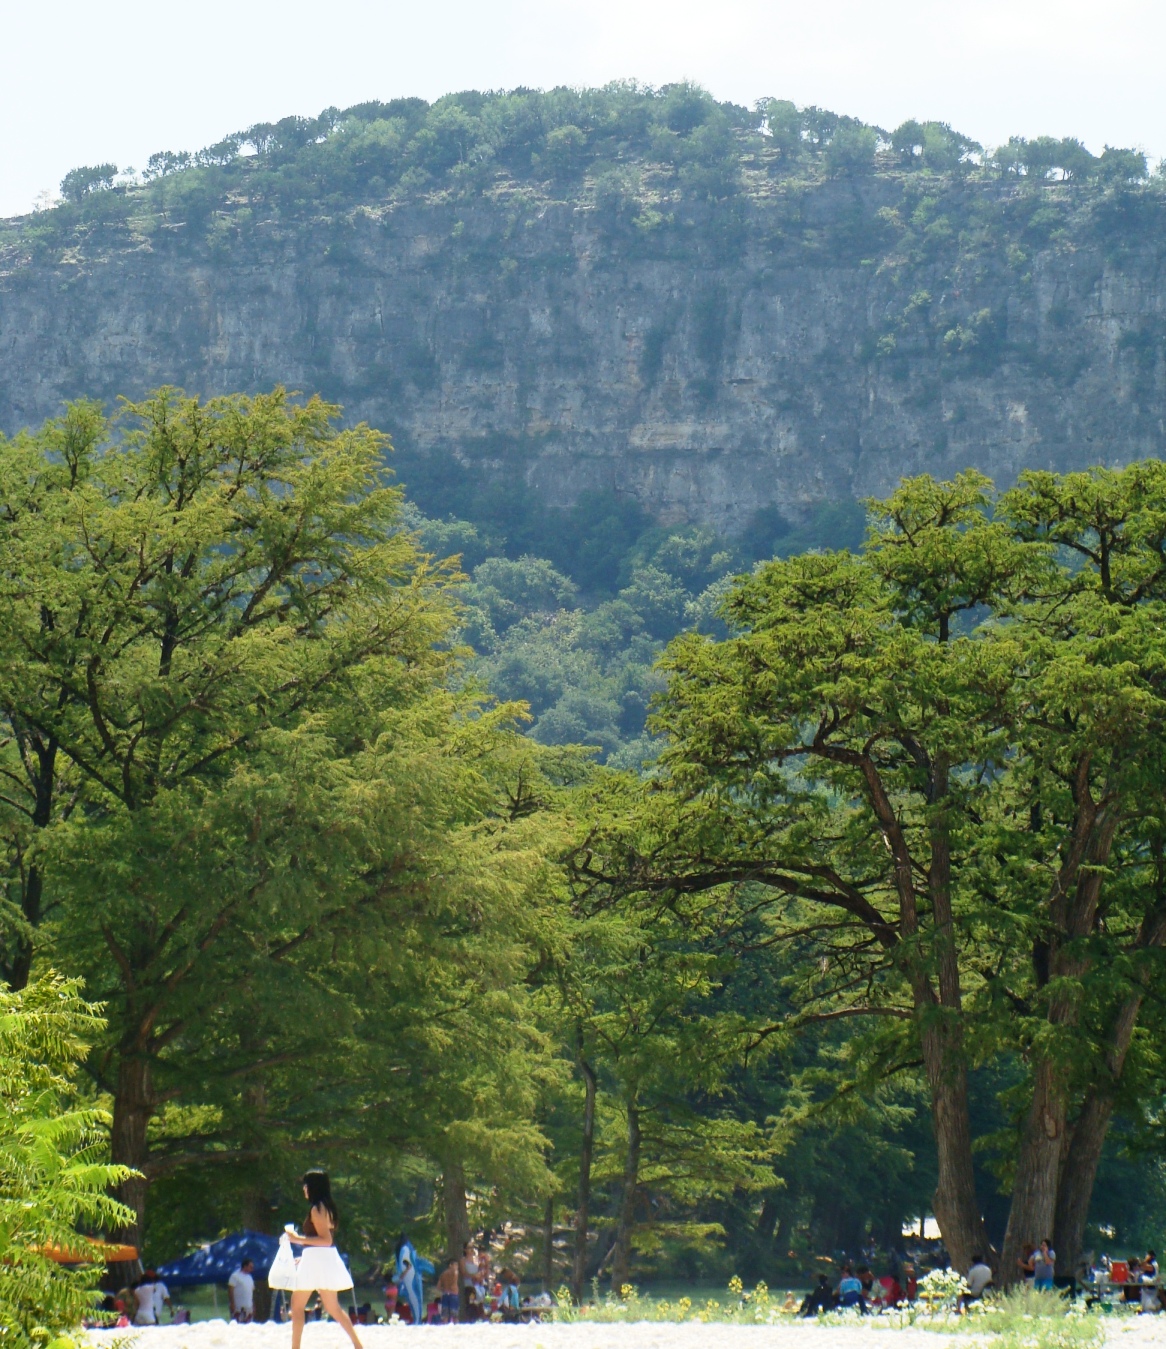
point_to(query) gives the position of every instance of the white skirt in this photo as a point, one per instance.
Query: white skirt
(319, 1267)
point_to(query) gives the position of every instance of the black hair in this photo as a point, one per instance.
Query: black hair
(319, 1189)
(977, 1259)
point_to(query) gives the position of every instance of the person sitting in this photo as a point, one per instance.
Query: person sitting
(892, 1293)
(910, 1280)
(850, 1290)
(872, 1292)
(508, 1300)
(821, 1299)
(473, 1305)
(1131, 1292)
(978, 1279)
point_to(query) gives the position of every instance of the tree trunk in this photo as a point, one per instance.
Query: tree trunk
(1078, 1176)
(622, 1256)
(583, 1207)
(457, 1221)
(940, 1018)
(20, 968)
(1043, 1145)
(133, 1107)
(17, 971)
(1034, 1191)
(956, 1208)
(767, 1219)
(549, 1245)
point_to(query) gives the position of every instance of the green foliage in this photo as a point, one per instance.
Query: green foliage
(305, 863)
(948, 704)
(852, 150)
(78, 183)
(629, 1305)
(54, 1173)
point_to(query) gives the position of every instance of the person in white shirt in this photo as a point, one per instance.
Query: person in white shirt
(977, 1279)
(241, 1292)
(151, 1295)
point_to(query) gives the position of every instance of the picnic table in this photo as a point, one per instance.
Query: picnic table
(1107, 1291)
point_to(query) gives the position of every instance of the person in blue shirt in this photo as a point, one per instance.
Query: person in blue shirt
(508, 1302)
(850, 1290)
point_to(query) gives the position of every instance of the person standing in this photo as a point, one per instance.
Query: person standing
(241, 1293)
(469, 1273)
(151, 1296)
(447, 1291)
(319, 1268)
(1044, 1265)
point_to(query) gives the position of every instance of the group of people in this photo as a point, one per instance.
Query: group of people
(1137, 1278)
(468, 1289)
(859, 1288)
(139, 1305)
(1038, 1264)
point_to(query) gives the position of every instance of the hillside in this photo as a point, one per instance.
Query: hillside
(626, 342)
(703, 309)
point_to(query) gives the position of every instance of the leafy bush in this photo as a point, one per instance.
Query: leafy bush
(737, 1308)
(79, 183)
(53, 1173)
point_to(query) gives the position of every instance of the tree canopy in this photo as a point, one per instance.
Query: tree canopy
(600, 907)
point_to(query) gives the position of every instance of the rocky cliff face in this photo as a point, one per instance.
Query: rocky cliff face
(810, 343)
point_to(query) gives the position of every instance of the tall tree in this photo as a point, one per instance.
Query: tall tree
(819, 754)
(1089, 766)
(178, 588)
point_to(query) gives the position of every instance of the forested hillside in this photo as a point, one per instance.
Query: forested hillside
(640, 335)
(709, 310)
(645, 361)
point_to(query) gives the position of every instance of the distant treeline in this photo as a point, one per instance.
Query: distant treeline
(467, 140)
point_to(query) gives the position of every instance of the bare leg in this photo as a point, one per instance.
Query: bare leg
(299, 1303)
(338, 1314)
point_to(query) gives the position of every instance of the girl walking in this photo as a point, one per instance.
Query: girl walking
(320, 1268)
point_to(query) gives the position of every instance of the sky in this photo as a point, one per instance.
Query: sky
(97, 81)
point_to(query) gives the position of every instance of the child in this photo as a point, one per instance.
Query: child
(447, 1292)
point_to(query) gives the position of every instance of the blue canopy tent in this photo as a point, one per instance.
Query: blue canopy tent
(218, 1261)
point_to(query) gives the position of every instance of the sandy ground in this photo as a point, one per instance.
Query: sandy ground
(1135, 1332)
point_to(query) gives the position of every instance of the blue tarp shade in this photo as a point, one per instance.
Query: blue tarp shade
(218, 1261)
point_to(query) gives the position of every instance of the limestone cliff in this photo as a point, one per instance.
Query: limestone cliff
(807, 342)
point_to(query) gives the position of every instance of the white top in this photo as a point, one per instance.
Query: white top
(979, 1277)
(151, 1299)
(242, 1286)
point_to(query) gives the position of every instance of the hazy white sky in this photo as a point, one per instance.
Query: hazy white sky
(89, 81)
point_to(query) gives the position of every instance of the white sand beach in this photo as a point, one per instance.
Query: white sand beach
(1141, 1332)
